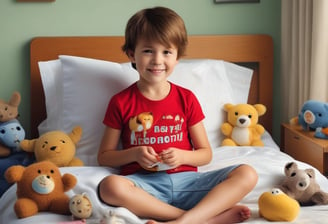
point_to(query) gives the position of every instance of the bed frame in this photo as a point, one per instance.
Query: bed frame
(253, 51)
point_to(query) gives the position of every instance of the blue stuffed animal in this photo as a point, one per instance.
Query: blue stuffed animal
(11, 134)
(314, 117)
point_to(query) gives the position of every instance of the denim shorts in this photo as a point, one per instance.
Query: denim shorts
(183, 190)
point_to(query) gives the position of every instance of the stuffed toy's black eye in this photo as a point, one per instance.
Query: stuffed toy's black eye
(309, 175)
(236, 113)
(2, 131)
(44, 144)
(293, 174)
(39, 171)
(320, 115)
(52, 171)
(18, 128)
(250, 116)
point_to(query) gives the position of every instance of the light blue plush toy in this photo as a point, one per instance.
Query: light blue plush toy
(11, 134)
(314, 117)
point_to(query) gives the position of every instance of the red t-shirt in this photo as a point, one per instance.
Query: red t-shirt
(160, 124)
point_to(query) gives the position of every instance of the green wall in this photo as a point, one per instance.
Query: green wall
(20, 22)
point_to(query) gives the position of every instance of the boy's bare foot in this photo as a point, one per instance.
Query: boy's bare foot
(236, 214)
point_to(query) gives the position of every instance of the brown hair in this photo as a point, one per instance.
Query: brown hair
(158, 23)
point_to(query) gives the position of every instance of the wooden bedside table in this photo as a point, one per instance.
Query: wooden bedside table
(302, 146)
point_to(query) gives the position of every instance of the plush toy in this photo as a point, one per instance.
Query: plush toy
(40, 187)
(321, 133)
(313, 115)
(55, 146)
(9, 110)
(80, 206)
(301, 185)
(11, 134)
(277, 206)
(242, 128)
(110, 218)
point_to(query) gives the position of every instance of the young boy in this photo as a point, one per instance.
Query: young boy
(158, 121)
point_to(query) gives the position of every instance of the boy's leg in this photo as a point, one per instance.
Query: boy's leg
(120, 191)
(222, 198)
(219, 205)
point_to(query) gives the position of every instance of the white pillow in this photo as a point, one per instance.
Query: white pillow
(88, 84)
(208, 81)
(51, 77)
(240, 79)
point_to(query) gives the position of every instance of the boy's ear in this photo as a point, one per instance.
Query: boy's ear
(131, 55)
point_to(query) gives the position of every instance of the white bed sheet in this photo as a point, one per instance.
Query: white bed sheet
(268, 161)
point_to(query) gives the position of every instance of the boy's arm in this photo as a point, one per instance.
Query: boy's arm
(202, 154)
(108, 155)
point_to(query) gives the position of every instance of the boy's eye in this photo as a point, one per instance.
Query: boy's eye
(148, 51)
(167, 52)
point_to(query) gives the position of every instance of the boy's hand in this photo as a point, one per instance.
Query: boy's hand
(146, 156)
(172, 157)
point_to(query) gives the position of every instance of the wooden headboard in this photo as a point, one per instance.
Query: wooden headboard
(253, 51)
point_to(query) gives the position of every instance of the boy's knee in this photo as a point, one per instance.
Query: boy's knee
(112, 188)
(247, 174)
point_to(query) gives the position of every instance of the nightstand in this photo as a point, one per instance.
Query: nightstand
(302, 146)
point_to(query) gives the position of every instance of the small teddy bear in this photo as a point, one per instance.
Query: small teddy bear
(55, 146)
(40, 187)
(9, 110)
(242, 128)
(80, 206)
(301, 185)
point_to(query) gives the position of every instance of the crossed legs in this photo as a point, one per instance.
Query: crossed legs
(218, 206)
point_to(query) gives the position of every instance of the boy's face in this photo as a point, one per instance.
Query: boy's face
(154, 61)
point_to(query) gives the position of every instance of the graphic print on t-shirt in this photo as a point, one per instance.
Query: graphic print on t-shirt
(140, 123)
(145, 129)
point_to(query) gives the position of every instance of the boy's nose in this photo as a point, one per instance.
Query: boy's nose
(157, 59)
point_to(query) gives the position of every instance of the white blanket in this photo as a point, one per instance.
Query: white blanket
(268, 161)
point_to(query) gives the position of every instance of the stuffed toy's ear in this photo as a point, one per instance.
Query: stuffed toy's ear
(15, 99)
(260, 108)
(227, 106)
(290, 168)
(76, 134)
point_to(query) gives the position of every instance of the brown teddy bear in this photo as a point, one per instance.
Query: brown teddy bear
(9, 110)
(40, 187)
(301, 185)
(55, 146)
(242, 128)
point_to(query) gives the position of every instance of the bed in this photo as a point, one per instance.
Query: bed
(72, 79)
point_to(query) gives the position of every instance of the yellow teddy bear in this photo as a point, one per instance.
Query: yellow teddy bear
(55, 146)
(242, 128)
